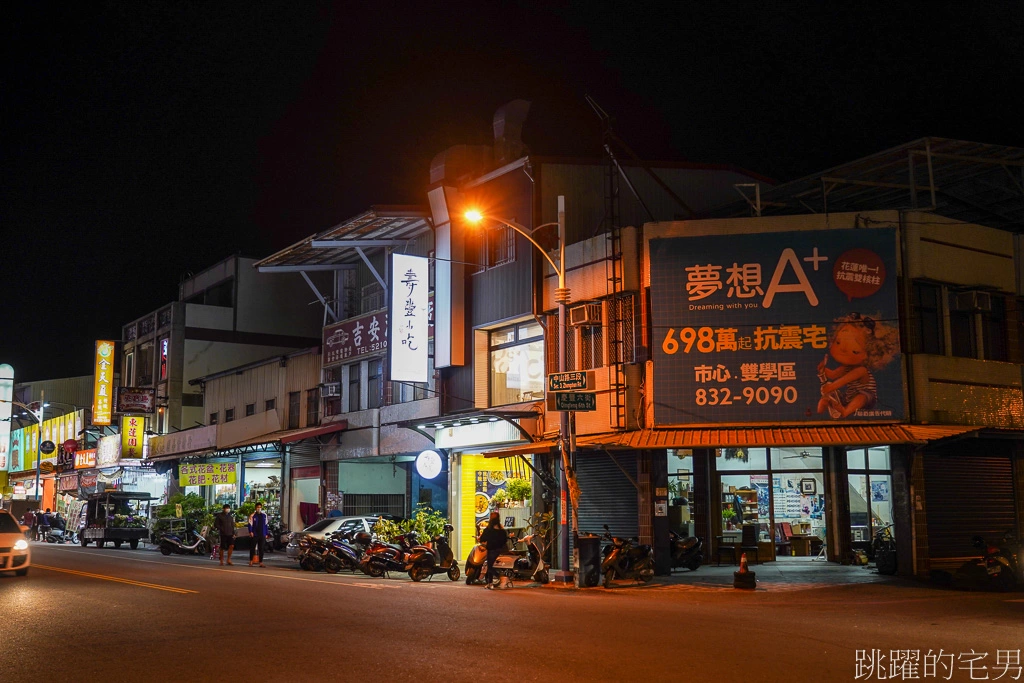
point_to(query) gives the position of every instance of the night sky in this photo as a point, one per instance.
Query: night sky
(145, 140)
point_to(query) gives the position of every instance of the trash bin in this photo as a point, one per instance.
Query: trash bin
(588, 554)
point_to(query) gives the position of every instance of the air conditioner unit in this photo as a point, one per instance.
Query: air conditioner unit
(972, 300)
(587, 314)
(332, 389)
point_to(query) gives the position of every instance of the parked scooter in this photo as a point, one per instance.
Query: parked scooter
(61, 536)
(312, 553)
(435, 557)
(626, 560)
(172, 543)
(528, 565)
(687, 552)
(999, 568)
(381, 558)
(344, 551)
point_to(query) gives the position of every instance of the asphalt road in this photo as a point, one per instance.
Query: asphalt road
(113, 615)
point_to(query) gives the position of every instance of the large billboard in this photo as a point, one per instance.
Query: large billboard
(410, 284)
(776, 327)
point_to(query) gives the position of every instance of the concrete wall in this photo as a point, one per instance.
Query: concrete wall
(278, 303)
(371, 477)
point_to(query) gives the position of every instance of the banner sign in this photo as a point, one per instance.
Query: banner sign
(108, 451)
(776, 327)
(206, 474)
(409, 304)
(6, 408)
(103, 383)
(85, 459)
(68, 482)
(88, 480)
(134, 400)
(132, 438)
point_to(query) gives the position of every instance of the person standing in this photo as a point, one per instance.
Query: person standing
(259, 532)
(44, 525)
(29, 520)
(224, 523)
(495, 538)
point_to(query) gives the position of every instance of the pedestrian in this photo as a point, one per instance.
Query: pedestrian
(37, 518)
(495, 539)
(29, 520)
(259, 532)
(224, 522)
(44, 525)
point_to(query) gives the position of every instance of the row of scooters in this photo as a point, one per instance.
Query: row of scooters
(622, 558)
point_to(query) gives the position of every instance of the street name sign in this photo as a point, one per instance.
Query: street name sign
(575, 401)
(581, 380)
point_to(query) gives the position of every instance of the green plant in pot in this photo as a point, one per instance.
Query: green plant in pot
(500, 499)
(518, 490)
(728, 517)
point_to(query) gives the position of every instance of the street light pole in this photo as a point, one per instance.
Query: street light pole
(39, 441)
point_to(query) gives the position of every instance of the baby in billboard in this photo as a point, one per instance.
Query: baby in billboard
(859, 345)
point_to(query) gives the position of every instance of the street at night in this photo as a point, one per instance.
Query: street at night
(125, 615)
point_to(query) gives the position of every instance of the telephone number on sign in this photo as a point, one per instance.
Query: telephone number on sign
(724, 396)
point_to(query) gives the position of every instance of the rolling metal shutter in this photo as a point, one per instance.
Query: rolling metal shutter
(606, 495)
(304, 454)
(966, 496)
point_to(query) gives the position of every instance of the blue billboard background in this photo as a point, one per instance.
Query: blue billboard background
(776, 327)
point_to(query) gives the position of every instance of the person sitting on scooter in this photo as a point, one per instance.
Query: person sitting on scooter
(495, 538)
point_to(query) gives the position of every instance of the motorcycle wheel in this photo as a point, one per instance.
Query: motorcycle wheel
(165, 549)
(117, 544)
(332, 565)
(1005, 582)
(543, 577)
(454, 573)
(133, 544)
(419, 572)
(304, 563)
(371, 569)
(693, 565)
(83, 542)
(645, 575)
(607, 583)
(472, 574)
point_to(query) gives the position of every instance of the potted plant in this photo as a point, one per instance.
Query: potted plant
(518, 490)
(675, 489)
(728, 515)
(499, 499)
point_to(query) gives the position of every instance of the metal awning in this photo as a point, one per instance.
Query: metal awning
(966, 181)
(281, 438)
(522, 449)
(823, 435)
(341, 245)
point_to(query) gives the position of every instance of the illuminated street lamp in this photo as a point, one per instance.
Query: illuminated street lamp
(562, 296)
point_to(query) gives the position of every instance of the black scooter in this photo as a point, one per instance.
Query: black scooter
(345, 550)
(883, 549)
(687, 551)
(436, 557)
(999, 568)
(381, 558)
(625, 559)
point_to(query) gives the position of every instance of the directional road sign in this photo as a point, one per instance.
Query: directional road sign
(572, 381)
(577, 401)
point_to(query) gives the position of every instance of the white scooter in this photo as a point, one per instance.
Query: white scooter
(528, 565)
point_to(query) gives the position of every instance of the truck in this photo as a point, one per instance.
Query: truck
(116, 516)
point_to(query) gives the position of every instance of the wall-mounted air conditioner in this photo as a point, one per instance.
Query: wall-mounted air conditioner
(585, 314)
(971, 300)
(332, 389)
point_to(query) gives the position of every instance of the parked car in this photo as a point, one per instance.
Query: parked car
(15, 555)
(330, 525)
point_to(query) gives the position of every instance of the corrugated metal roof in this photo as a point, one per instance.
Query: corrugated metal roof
(379, 225)
(291, 435)
(522, 449)
(822, 435)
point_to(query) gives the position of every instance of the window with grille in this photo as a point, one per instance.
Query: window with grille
(271, 404)
(294, 399)
(229, 414)
(372, 298)
(622, 329)
(250, 409)
(332, 404)
(373, 383)
(926, 318)
(501, 246)
(353, 387)
(591, 347)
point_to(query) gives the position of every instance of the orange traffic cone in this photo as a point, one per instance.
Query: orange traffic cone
(744, 578)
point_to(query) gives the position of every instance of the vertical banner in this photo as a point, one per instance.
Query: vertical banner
(103, 383)
(409, 315)
(132, 429)
(6, 409)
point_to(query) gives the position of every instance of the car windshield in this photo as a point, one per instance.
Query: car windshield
(320, 526)
(8, 525)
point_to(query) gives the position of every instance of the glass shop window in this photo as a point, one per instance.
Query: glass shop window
(517, 364)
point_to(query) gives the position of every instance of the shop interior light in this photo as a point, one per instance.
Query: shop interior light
(438, 426)
(493, 419)
(422, 426)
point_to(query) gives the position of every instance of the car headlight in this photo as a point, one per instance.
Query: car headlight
(21, 544)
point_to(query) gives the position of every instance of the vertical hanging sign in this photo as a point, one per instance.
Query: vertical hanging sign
(132, 428)
(103, 383)
(6, 408)
(409, 317)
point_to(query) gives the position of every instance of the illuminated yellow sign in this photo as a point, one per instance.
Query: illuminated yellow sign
(132, 430)
(103, 383)
(207, 474)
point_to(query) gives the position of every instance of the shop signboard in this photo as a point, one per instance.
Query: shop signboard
(134, 400)
(409, 286)
(6, 408)
(185, 441)
(103, 383)
(206, 474)
(356, 337)
(132, 437)
(776, 327)
(108, 451)
(68, 482)
(85, 459)
(88, 480)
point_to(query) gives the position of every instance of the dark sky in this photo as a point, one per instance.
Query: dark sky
(144, 140)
